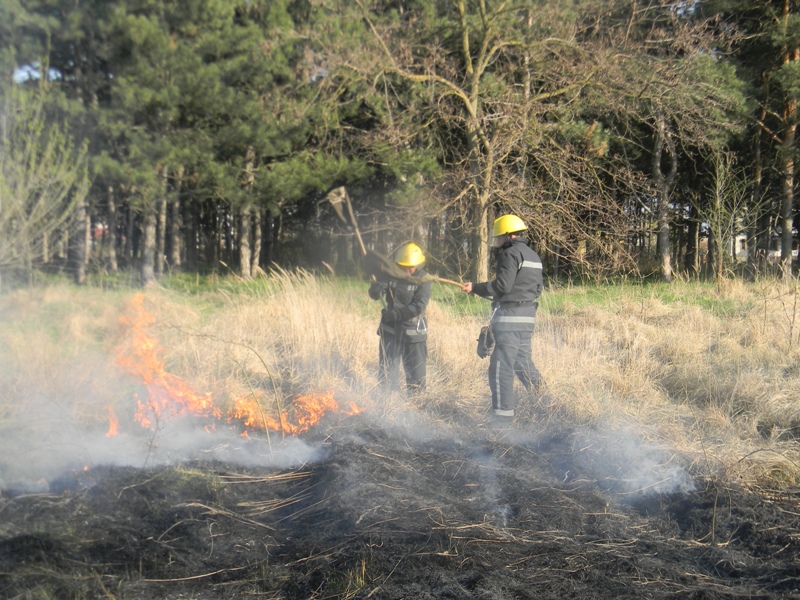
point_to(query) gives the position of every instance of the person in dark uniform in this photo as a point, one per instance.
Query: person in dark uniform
(514, 291)
(403, 329)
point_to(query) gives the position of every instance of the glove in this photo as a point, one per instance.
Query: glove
(390, 316)
(376, 290)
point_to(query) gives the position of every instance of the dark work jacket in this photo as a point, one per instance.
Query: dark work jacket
(515, 288)
(411, 300)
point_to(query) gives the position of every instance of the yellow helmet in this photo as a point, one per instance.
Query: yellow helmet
(409, 255)
(508, 224)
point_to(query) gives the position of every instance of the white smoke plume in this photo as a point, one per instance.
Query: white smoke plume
(623, 462)
(31, 458)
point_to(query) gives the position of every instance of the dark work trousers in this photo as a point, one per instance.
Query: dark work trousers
(511, 356)
(414, 356)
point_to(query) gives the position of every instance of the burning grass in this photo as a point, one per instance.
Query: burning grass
(714, 377)
(382, 517)
(234, 442)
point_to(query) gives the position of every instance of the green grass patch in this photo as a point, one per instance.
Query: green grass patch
(556, 298)
(700, 294)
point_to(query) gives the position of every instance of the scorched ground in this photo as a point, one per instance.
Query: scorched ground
(462, 512)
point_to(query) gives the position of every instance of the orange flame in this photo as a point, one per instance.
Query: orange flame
(113, 422)
(168, 395)
(307, 411)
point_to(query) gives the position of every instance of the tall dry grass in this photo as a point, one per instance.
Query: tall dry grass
(301, 334)
(718, 382)
(714, 375)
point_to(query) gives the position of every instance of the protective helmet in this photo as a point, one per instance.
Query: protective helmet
(508, 224)
(409, 255)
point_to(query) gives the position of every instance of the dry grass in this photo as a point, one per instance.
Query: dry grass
(717, 380)
(719, 384)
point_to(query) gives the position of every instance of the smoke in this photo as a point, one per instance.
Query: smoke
(64, 428)
(616, 458)
(492, 494)
(53, 439)
(622, 462)
(30, 459)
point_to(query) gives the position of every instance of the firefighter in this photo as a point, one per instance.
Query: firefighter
(403, 328)
(514, 291)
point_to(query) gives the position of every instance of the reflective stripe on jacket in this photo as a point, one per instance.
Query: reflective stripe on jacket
(411, 300)
(517, 284)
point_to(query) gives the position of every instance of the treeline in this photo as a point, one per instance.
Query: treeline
(635, 137)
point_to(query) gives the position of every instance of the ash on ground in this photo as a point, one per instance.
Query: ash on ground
(475, 513)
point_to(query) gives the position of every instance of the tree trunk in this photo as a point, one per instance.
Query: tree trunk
(149, 246)
(63, 244)
(87, 236)
(161, 224)
(175, 221)
(789, 117)
(210, 237)
(131, 237)
(556, 262)
(45, 248)
(662, 244)
(267, 249)
(192, 237)
(692, 257)
(78, 244)
(258, 217)
(276, 229)
(246, 224)
(481, 238)
(787, 199)
(113, 266)
(756, 260)
(663, 185)
(245, 251)
(713, 255)
(481, 167)
(229, 238)
(161, 238)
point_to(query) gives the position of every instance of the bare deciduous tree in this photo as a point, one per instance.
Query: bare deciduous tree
(43, 178)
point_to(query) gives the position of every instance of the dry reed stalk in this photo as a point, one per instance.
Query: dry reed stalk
(720, 386)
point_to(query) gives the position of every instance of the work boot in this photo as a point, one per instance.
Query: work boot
(501, 419)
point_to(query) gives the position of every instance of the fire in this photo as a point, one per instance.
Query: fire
(167, 394)
(170, 396)
(113, 422)
(307, 410)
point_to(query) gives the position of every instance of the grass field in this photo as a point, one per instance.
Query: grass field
(711, 374)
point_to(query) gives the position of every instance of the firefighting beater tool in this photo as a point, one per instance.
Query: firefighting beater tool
(374, 263)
